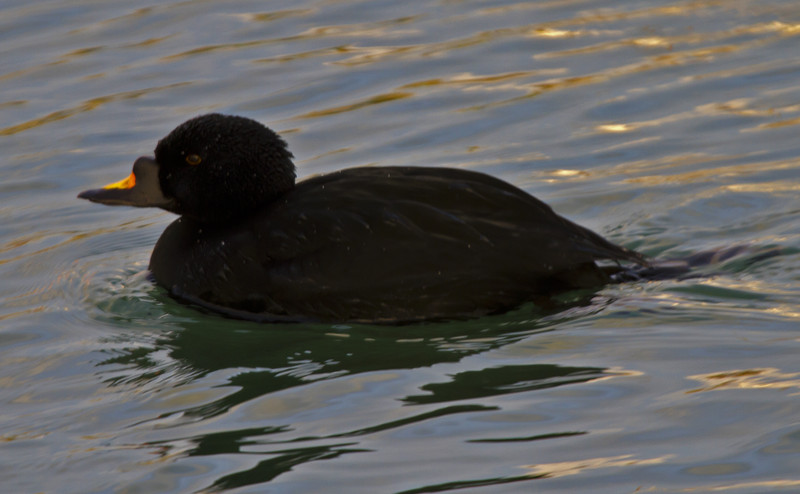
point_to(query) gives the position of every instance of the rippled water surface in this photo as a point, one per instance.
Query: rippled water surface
(670, 127)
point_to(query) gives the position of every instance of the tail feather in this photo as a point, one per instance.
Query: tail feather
(682, 268)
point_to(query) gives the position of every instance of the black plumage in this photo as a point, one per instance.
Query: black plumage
(381, 244)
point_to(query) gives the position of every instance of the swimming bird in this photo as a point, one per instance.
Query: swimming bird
(368, 244)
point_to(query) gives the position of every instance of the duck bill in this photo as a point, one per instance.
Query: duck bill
(141, 189)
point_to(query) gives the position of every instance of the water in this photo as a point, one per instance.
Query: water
(668, 127)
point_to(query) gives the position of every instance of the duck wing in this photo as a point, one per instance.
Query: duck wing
(385, 244)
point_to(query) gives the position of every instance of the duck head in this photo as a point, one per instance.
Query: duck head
(213, 168)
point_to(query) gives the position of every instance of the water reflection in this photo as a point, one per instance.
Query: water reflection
(671, 125)
(768, 378)
(504, 380)
(284, 461)
(85, 106)
(284, 372)
(281, 356)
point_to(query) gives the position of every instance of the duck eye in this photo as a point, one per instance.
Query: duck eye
(193, 159)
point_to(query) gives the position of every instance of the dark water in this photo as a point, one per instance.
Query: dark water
(668, 127)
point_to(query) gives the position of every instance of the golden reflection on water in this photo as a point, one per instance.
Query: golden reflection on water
(669, 42)
(522, 6)
(565, 468)
(675, 163)
(547, 32)
(746, 486)
(384, 29)
(38, 238)
(615, 128)
(85, 106)
(24, 312)
(374, 100)
(365, 52)
(481, 81)
(780, 123)
(567, 173)
(765, 187)
(740, 107)
(22, 436)
(68, 238)
(272, 16)
(678, 169)
(763, 378)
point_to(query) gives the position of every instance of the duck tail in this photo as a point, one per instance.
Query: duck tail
(683, 268)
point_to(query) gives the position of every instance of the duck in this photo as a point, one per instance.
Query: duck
(372, 244)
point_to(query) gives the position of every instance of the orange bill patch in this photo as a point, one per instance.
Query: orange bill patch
(127, 183)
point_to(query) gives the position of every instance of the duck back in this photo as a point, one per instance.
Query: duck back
(383, 244)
